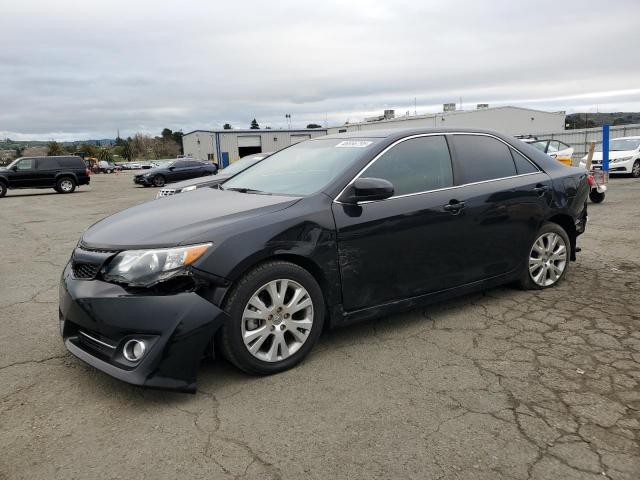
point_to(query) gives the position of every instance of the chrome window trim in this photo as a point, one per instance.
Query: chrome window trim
(335, 200)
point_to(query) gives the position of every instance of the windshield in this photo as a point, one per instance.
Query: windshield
(240, 165)
(302, 169)
(621, 145)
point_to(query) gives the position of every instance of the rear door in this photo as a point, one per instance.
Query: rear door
(46, 170)
(505, 198)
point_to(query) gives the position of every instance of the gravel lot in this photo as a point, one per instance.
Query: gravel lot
(500, 385)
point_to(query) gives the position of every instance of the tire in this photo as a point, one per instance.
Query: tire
(3, 189)
(288, 334)
(595, 196)
(159, 181)
(109, 171)
(65, 185)
(635, 170)
(547, 263)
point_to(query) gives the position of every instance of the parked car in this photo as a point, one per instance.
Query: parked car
(107, 167)
(63, 173)
(222, 175)
(175, 171)
(335, 229)
(624, 156)
(555, 149)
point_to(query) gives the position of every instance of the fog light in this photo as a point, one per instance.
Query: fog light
(134, 350)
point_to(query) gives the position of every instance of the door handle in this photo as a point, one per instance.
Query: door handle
(541, 189)
(454, 207)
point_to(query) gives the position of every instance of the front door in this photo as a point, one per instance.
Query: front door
(408, 244)
(25, 173)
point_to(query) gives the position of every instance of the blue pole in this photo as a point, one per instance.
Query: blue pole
(605, 148)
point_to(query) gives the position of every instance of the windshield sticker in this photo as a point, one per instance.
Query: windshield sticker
(354, 144)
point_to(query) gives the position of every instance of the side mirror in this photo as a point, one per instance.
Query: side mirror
(172, 168)
(14, 168)
(367, 190)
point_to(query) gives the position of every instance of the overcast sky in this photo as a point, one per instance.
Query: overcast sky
(78, 70)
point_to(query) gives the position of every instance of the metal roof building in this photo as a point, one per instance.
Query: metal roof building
(507, 120)
(226, 146)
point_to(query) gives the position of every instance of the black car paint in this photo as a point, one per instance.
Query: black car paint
(45, 173)
(176, 172)
(369, 259)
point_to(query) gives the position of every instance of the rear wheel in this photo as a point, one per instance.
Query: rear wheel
(277, 312)
(635, 170)
(159, 181)
(596, 196)
(3, 189)
(65, 185)
(548, 258)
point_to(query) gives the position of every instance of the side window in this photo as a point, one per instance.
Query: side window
(522, 164)
(415, 165)
(26, 164)
(482, 158)
(70, 162)
(49, 163)
(180, 165)
(554, 146)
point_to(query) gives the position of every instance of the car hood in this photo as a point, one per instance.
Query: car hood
(612, 155)
(178, 219)
(210, 180)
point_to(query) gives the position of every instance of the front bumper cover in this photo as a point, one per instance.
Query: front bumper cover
(98, 318)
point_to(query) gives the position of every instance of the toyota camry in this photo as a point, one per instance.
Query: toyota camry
(324, 233)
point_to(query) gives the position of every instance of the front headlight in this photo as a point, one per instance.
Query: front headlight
(144, 268)
(618, 160)
(189, 188)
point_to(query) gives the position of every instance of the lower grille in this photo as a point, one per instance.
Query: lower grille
(85, 270)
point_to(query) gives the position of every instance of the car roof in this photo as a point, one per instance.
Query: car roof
(393, 133)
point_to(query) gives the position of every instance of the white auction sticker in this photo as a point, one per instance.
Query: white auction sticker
(354, 144)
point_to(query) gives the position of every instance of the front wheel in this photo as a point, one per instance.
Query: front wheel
(277, 313)
(548, 258)
(3, 189)
(158, 181)
(596, 196)
(635, 170)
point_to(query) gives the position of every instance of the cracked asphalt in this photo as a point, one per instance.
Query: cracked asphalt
(500, 385)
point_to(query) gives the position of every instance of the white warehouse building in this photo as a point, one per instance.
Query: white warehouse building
(507, 120)
(226, 146)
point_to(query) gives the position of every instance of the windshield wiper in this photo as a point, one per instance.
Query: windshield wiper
(247, 190)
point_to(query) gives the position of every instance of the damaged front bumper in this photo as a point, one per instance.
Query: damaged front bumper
(98, 318)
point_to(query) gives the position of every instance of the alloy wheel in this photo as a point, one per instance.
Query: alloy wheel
(547, 259)
(277, 320)
(66, 185)
(635, 171)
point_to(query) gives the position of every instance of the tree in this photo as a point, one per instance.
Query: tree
(177, 137)
(54, 149)
(120, 142)
(104, 155)
(167, 134)
(314, 125)
(88, 149)
(254, 125)
(126, 151)
(227, 126)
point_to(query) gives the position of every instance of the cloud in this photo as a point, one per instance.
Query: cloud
(86, 69)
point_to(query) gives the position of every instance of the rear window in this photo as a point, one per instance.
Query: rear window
(482, 158)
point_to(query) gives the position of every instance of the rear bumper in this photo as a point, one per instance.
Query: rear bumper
(98, 318)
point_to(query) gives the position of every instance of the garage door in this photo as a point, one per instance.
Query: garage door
(249, 141)
(299, 138)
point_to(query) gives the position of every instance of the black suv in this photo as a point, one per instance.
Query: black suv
(63, 174)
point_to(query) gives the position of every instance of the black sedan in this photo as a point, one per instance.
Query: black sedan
(329, 231)
(222, 176)
(174, 172)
